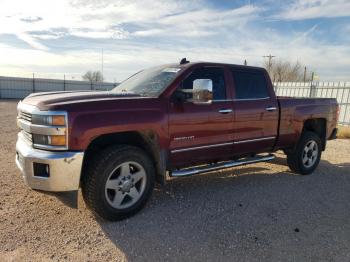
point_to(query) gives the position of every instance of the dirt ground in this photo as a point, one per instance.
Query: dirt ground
(260, 212)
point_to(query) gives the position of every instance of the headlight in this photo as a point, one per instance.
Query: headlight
(56, 120)
(49, 131)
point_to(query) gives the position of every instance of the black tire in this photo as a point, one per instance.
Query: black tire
(99, 171)
(295, 159)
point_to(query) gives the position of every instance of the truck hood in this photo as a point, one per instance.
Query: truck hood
(48, 99)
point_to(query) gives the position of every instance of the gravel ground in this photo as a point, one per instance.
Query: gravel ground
(260, 212)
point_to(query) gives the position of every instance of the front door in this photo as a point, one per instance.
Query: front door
(202, 132)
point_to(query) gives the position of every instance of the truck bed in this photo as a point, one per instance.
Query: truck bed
(294, 111)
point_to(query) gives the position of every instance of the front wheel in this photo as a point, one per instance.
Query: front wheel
(118, 182)
(307, 154)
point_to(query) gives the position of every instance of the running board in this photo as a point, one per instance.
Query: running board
(217, 166)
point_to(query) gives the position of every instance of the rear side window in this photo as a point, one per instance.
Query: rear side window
(249, 84)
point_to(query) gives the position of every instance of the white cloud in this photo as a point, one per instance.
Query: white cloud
(31, 41)
(308, 9)
(31, 19)
(20, 17)
(201, 22)
(95, 19)
(67, 36)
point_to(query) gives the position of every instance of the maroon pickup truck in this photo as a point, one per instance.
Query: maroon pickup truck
(173, 120)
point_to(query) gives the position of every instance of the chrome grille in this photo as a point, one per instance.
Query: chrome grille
(28, 118)
(27, 136)
(25, 116)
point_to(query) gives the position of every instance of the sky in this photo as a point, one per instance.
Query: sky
(53, 38)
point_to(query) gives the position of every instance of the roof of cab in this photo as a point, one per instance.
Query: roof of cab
(190, 64)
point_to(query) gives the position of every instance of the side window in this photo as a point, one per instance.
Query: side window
(213, 73)
(249, 84)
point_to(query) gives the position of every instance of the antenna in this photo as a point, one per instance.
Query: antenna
(184, 61)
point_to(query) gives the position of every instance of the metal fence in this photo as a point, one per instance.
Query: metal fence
(338, 90)
(17, 87)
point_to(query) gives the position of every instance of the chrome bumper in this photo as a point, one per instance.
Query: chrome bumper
(64, 168)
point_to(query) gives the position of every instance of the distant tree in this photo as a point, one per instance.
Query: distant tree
(93, 76)
(285, 71)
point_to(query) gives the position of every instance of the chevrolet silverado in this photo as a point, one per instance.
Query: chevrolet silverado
(173, 120)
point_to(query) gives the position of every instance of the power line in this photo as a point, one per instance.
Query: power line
(269, 56)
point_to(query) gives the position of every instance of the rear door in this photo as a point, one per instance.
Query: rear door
(255, 111)
(202, 132)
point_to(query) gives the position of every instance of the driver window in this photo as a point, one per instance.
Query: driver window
(215, 74)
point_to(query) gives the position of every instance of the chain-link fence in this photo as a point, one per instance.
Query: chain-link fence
(18, 87)
(338, 90)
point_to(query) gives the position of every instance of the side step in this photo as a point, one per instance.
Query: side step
(212, 167)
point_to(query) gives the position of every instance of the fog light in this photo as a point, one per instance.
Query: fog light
(41, 170)
(49, 140)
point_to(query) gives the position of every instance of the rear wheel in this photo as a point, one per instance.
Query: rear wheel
(118, 182)
(306, 157)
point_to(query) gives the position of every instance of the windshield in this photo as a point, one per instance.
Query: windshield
(149, 82)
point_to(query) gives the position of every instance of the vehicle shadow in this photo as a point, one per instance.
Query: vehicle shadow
(68, 198)
(247, 212)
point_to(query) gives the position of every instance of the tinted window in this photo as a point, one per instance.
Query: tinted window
(215, 74)
(249, 84)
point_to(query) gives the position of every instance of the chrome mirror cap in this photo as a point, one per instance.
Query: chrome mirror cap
(202, 91)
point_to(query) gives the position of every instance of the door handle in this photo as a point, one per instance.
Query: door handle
(271, 108)
(225, 111)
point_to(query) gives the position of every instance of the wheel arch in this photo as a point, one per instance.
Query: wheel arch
(146, 140)
(318, 126)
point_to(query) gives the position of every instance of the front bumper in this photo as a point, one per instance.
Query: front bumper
(64, 168)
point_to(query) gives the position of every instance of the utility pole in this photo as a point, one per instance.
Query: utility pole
(64, 82)
(102, 64)
(33, 83)
(245, 62)
(304, 74)
(101, 69)
(270, 62)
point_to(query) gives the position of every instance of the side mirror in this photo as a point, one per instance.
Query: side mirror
(202, 91)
